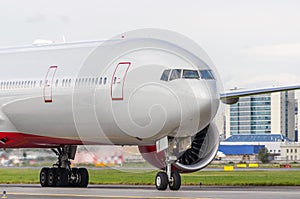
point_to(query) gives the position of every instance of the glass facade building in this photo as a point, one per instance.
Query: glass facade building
(251, 115)
(264, 114)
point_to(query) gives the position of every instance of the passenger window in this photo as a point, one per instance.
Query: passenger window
(165, 75)
(96, 81)
(100, 81)
(176, 74)
(104, 82)
(190, 74)
(206, 74)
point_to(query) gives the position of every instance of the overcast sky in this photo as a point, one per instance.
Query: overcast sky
(252, 43)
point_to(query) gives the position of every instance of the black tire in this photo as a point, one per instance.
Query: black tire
(83, 177)
(161, 181)
(44, 177)
(51, 177)
(175, 182)
(74, 182)
(61, 177)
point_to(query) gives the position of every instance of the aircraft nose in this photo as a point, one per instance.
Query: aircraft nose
(200, 107)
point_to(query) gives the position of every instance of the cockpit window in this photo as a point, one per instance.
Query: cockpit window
(165, 75)
(206, 74)
(176, 74)
(190, 74)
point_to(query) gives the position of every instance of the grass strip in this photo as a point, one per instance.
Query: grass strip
(108, 176)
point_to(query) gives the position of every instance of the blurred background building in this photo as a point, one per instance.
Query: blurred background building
(263, 114)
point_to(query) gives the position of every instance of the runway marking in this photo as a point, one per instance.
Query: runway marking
(98, 196)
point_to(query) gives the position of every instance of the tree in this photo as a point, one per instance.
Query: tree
(263, 155)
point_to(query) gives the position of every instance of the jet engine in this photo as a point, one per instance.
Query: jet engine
(200, 152)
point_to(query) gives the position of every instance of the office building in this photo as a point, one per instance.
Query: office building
(263, 114)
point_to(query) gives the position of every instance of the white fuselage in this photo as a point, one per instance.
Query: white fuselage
(104, 93)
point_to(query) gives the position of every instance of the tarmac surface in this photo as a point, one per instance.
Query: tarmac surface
(138, 191)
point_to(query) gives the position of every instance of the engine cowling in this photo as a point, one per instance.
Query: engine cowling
(203, 150)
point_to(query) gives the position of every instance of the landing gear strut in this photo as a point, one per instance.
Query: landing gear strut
(171, 178)
(61, 174)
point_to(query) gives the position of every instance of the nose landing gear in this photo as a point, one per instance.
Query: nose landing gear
(171, 178)
(162, 181)
(61, 174)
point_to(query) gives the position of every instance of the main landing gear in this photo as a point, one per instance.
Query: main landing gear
(61, 174)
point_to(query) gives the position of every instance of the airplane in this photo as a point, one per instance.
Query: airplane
(152, 88)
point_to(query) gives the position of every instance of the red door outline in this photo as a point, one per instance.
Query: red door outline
(49, 83)
(118, 81)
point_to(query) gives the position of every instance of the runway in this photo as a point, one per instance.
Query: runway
(139, 192)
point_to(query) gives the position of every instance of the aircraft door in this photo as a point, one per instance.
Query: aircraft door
(118, 80)
(49, 83)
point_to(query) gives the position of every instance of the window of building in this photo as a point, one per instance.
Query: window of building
(291, 150)
(287, 150)
(295, 150)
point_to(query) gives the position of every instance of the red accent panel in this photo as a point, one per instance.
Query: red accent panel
(22, 140)
(150, 155)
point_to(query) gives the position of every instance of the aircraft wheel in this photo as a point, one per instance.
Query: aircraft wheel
(61, 177)
(161, 181)
(83, 177)
(44, 177)
(74, 178)
(51, 177)
(175, 182)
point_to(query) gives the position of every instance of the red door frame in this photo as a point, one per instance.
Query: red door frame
(123, 82)
(48, 84)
